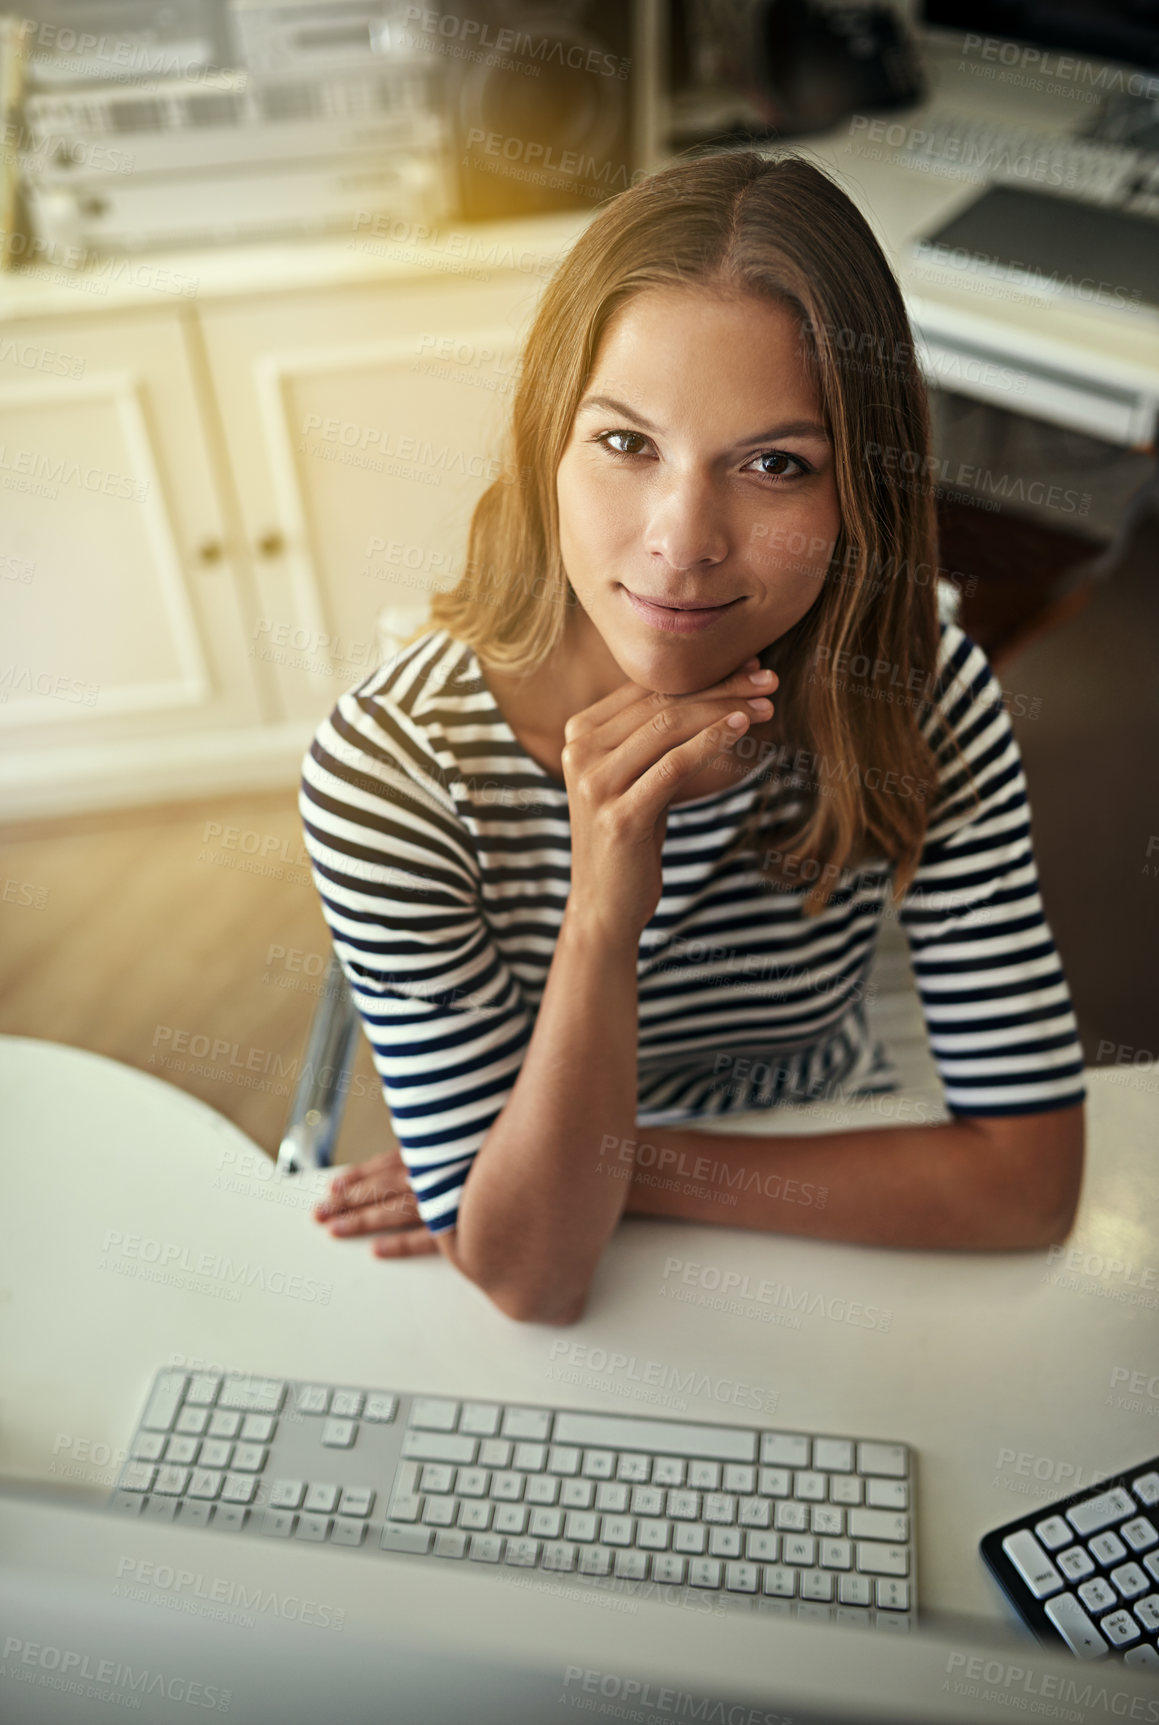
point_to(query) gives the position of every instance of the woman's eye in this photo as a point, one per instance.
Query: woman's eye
(778, 464)
(633, 442)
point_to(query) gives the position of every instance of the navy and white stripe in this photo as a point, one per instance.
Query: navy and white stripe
(441, 851)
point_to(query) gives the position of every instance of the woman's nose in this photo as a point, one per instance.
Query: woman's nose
(685, 526)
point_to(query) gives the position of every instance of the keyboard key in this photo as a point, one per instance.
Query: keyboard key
(216, 1452)
(1147, 1611)
(530, 1457)
(433, 1413)
(1146, 1489)
(704, 1475)
(742, 1577)
(407, 1506)
(878, 1524)
(252, 1396)
(197, 1514)
(440, 1511)
(724, 1542)
(231, 1517)
(203, 1388)
(835, 1554)
(561, 1554)
(511, 1518)
(595, 1560)
(522, 1553)
(763, 1547)
(545, 1523)
(1028, 1558)
(530, 1424)
(598, 1464)
(1075, 1563)
(276, 1523)
(205, 1482)
(689, 1538)
(543, 1488)
(439, 1446)
(780, 1581)
(1144, 1656)
(1098, 1595)
(652, 1533)
(437, 1477)
(668, 1470)
(888, 1459)
(739, 1478)
(1075, 1627)
(670, 1437)
(451, 1544)
(348, 1531)
(576, 1493)
(584, 1527)
(476, 1518)
(380, 1408)
(249, 1457)
(256, 1428)
(847, 1489)
(346, 1404)
(1129, 1581)
(885, 1494)
(485, 1548)
(791, 1517)
(148, 1446)
(1099, 1512)
(239, 1488)
(784, 1449)
(617, 1530)
(684, 1505)
(815, 1584)
(165, 1401)
(825, 1518)
(192, 1421)
(1139, 1533)
(508, 1487)
(495, 1452)
(171, 1482)
(564, 1458)
(833, 1455)
(631, 1565)
(1120, 1628)
(778, 1482)
(704, 1572)
(892, 1595)
(875, 1559)
(287, 1493)
(633, 1469)
(1106, 1548)
(669, 1570)
(754, 1512)
(1053, 1532)
(855, 1590)
(322, 1498)
(719, 1507)
(224, 1425)
(339, 1434)
(810, 1487)
(480, 1419)
(411, 1539)
(647, 1500)
(799, 1548)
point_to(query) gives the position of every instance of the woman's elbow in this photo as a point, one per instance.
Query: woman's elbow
(526, 1300)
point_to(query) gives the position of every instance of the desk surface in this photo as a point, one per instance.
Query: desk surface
(141, 1228)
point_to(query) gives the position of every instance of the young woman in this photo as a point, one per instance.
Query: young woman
(591, 884)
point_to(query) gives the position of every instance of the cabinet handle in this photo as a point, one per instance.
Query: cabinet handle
(271, 544)
(210, 551)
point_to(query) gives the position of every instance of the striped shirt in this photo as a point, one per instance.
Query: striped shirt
(441, 851)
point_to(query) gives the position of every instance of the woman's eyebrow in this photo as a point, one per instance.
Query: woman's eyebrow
(790, 428)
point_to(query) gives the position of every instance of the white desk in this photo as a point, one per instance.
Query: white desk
(987, 1368)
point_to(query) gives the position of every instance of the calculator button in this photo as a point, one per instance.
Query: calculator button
(1139, 1534)
(1099, 1512)
(1075, 1563)
(1130, 1580)
(1098, 1595)
(1031, 1562)
(1075, 1626)
(1120, 1628)
(1053, 1532)
(1107, 1548)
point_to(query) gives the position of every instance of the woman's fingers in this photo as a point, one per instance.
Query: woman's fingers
(411, 1243)
(654, 786)
(377, 1176)
(397, 1211)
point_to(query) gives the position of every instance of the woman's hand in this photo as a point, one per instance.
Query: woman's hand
(624, 759)
(374, 1197)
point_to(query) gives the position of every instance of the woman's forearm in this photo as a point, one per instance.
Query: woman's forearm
(537, 1209)
(984, 1184)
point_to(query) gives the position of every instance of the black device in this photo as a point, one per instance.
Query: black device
(796, 66)
(1084, 1570)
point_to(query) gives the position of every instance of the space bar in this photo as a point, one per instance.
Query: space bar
(662, 1437)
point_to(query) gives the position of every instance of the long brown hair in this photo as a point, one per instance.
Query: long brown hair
(780, 229)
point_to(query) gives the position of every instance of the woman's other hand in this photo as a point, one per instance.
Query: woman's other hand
(375, 1197)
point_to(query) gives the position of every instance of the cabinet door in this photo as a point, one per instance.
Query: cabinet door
(119, 608)
(362, 425)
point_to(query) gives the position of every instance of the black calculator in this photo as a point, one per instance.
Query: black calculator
(1085, 1570)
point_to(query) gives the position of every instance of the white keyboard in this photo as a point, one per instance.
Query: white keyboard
(959, 145)
(793, 1522)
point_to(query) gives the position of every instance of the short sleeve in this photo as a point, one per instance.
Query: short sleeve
(997, 1009)
(399, 884)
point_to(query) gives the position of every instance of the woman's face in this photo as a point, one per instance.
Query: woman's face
(698, 474)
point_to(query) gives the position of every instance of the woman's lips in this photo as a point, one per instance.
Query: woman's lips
(675, 621)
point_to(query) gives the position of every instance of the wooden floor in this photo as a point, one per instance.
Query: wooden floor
(147, 935)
